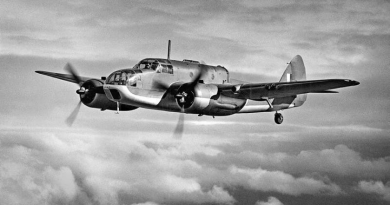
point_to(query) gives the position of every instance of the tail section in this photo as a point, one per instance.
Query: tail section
(295, 71)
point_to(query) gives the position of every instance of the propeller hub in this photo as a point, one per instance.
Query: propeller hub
(185, 98)
(81, 91)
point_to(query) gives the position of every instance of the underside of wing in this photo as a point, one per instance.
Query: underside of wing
(258, 91)
(66, 77)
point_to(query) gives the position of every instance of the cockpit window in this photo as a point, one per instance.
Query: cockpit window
(119, 77)
(147, 64)
(159, 65)
(165, 69)
(155, 65)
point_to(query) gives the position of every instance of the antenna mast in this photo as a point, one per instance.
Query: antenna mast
(169, 49)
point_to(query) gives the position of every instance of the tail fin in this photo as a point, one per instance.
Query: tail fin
(295, 71)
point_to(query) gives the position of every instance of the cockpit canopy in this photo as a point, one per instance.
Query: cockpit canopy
(158, 65)
(120, 77)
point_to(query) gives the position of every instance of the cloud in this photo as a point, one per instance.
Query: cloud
(271, 201)
(26, 180)
(64, 180)
(375, 187)
(259, 179)
(89, 169)
(146, 203)
(340, 161)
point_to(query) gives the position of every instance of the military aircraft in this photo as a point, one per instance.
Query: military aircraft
(193, 87)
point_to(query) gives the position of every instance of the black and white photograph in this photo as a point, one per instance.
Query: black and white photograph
(185, 102)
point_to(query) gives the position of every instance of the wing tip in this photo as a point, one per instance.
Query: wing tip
(43, 72)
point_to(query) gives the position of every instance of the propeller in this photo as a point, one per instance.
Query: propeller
(179, 129)
(185, 96)
(69, 121)
(69, 68)
(87, 91)
(72, 117)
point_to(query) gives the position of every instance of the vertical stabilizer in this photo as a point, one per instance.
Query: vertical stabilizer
(295, 71)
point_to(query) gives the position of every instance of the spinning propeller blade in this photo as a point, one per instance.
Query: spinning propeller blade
(69, 68)
(178, 133)
(72, 117)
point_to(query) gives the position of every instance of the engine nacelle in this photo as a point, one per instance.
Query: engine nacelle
(203, 95)
(205, 99)
(93, 95)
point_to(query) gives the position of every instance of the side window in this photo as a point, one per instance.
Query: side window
(117, 76)
(142, 66)
(154, 65)
(123, 79)
(166, 69)
(110, 79)
(170, 69)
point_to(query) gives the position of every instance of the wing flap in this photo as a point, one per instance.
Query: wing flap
(257, 91)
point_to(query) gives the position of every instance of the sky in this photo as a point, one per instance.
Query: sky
(335, 149)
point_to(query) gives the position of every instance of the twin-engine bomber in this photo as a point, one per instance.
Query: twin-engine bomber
(195, 88)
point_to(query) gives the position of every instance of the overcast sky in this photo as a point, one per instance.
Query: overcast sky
(335, 149)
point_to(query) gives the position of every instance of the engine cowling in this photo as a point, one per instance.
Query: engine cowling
(195, 99)
(92, 95)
